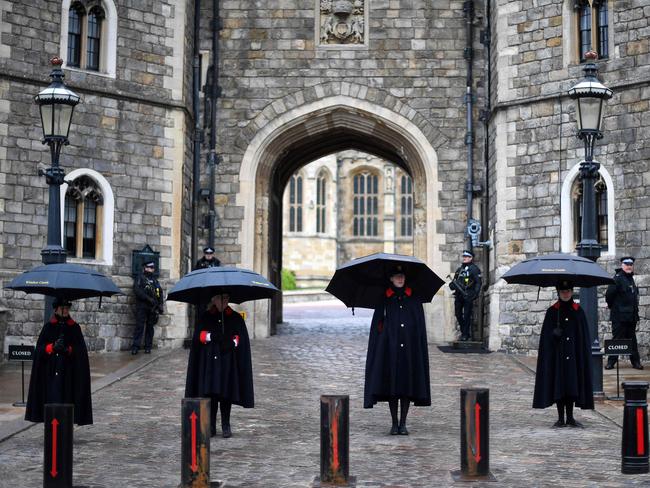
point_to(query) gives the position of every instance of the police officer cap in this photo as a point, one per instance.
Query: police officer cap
(627, 260)
(396, 269)
(208, 250)
(61, 302)
(149, 264)
(564, 285)
(468, 253)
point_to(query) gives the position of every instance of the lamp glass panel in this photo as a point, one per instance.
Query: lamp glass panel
(589, 113)
(62, 118)
(46, 119)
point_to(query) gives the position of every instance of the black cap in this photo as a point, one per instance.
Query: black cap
(149, 264)
(208, 250)
(61, 302)
(468, 253)
(564, 285)
(396, 269)
(627, 260)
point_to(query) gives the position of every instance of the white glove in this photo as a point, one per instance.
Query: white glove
(208, 337)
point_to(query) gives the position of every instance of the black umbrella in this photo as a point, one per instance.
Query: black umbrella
(64, 280)
(361, 283)
(241, 284)
(548, 270)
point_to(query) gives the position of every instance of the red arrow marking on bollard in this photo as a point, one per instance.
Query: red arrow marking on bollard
(335, 441)
(477, 426)
(639, 432)
(55, 424)
(193, 466)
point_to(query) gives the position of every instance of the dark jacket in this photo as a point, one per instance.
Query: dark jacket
(467, 282)
(207, 263)
(622, 298)
(148, 292)
(220, 367)
(60, 377)
(397, 364)
(564, 358)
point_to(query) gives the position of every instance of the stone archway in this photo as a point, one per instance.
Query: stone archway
(296, 135)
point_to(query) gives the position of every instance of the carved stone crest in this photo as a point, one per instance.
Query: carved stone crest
(342, 22)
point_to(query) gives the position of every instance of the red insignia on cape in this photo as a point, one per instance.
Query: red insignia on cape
(408, 291)
(389, 292)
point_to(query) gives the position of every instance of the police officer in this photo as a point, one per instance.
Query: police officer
(208, 260)
(623, 300)
(148, 305)
(466, 285)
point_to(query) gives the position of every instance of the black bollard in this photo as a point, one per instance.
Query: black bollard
(57, 458)
(635, 428)
(334, 441)
(195, 445)
(474, 436)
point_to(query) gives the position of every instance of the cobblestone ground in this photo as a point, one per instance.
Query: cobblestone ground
(321, 350)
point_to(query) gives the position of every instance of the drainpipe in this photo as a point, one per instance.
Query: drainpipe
(485, 117)
(468, 9)
(197, 136)
(215, 92)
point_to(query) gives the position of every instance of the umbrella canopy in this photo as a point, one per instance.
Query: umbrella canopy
(361, 283)
(241, 284)
(548, 270)
(64, 280)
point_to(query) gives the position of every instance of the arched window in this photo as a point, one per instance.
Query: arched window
(321, 202)
(75, 18)
(601, 212)
(593, 27)
(405, 206)
(571, 211)
(87, 206)
(90, 40)
(83, 206)
(93, 43)
(365, 205)
(295, 203)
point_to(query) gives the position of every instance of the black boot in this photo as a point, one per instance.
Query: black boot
(404, 404)
(225, 419)
(610, 364)
(392, 405)
(560, 414)
(134, 350)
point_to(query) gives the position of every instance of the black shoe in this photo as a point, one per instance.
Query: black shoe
(134, 350)
(610, 365)
(464, 338)
(637, 366)
(574, 423)
(225, 431)
(402, 430)
(147, 351)
(213, 431)
(394, 430)
(559, 423)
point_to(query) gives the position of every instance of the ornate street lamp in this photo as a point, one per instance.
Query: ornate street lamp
(590, 95)
(56, 104)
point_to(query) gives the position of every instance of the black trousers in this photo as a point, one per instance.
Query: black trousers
(625, 330)
(144, 322)
(463, 308)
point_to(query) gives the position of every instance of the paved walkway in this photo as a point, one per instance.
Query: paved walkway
(136, 439)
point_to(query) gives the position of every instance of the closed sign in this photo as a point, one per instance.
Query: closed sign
(618, 346)
(21, 353)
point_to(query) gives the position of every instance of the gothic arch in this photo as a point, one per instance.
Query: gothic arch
(567, 217)
(294, 136)
(108, 209)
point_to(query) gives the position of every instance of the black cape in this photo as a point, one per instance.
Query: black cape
(219, 368)
(564, 358)
(397, 364)
(71, 384)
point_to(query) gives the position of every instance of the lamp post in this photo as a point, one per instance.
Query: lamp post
(56, 104)
(590, 95)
